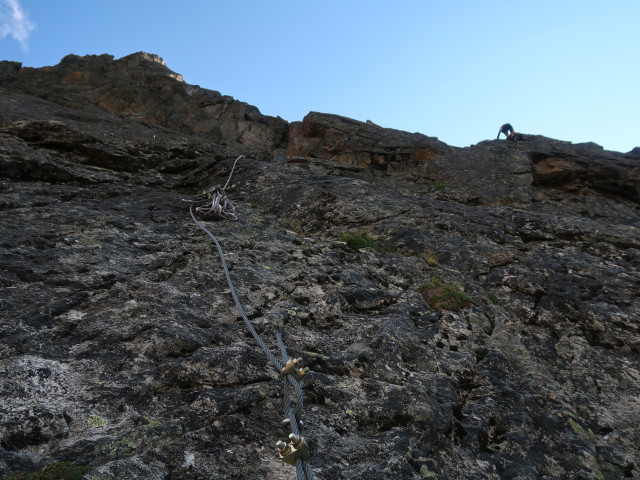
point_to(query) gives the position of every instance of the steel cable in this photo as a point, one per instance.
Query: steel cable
(303, 469)
(294, 416)
(290, 378)
(272, 358)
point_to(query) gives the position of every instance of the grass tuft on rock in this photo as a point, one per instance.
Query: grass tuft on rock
(444, 296)
(357, 240)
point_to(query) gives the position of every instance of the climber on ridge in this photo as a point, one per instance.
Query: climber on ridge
(508, 130)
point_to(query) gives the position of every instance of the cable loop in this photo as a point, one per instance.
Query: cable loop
(214, 204)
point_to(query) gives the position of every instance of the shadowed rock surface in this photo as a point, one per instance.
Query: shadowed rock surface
(492, 333)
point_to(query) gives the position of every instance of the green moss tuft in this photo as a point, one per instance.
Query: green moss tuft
(443, 296)
(360, 239)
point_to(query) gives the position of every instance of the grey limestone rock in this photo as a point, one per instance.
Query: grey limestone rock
(468, 314)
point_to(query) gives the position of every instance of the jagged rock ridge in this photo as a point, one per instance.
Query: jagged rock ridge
(141, 87)
(122, 349)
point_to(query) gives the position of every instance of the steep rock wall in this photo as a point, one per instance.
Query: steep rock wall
(481, 334)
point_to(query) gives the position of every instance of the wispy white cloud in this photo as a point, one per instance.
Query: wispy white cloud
(14, 22)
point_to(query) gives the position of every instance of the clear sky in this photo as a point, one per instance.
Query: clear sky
(452, 69)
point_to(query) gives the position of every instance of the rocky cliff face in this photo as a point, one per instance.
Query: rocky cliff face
(465, 313)
(141, 87)
(364, 144)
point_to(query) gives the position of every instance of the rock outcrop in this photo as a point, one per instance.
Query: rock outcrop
(540, 170)
(364, 144)
(465, 313)
(141, 87)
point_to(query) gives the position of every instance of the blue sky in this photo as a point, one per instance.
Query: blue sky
(452, 69)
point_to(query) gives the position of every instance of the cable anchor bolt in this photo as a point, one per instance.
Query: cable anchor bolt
(292, 368)
(296, 448)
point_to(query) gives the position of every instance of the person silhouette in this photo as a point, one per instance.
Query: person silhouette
(508, 130)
